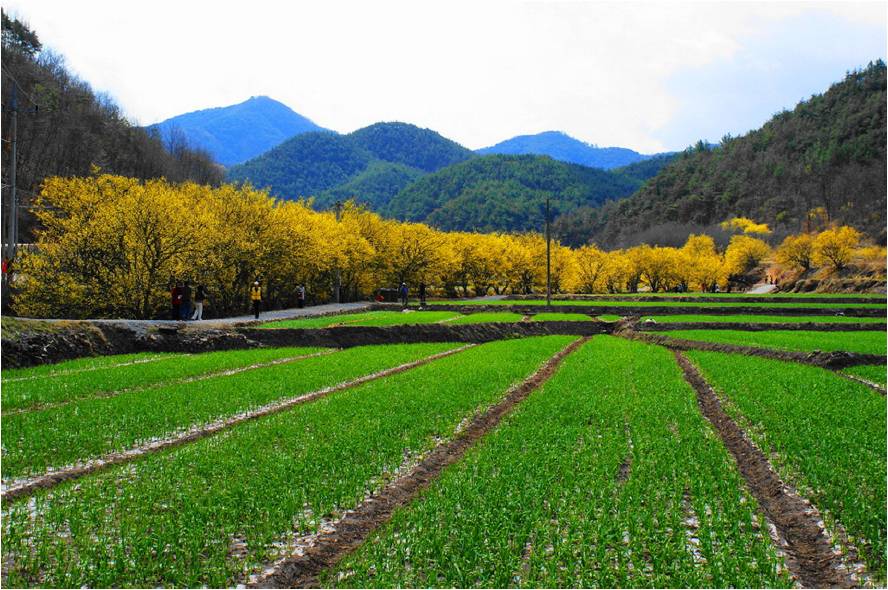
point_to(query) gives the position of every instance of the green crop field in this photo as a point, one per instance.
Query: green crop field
(343, 319)
(560, 317)
(763, 319)
(800, 340)
(488, 317)
(90, 363)
(22, 393)
(610, 303)
(828, 433)
(173, 518)
(87, 428)
(540, 503)
(606, 475)
(763, 296)
(370, 318)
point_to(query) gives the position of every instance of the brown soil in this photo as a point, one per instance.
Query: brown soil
(353, 530)
(27, 486)
(828, 360)
(79, 339)
(89, 339)
(810, 555)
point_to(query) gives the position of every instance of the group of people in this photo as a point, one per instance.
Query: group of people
(187, 302)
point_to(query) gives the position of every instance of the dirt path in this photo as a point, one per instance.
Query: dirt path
(180, 381)
(348, 534)
(808, 549)
(26, 486)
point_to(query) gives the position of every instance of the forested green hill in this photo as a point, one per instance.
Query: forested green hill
(371, 164)
(505, 193)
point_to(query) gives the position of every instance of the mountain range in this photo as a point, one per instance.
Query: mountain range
(827, 154)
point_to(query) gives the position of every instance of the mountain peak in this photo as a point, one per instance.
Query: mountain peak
(559, 145)
(238, 132)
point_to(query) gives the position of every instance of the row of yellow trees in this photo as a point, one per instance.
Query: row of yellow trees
(109, 246)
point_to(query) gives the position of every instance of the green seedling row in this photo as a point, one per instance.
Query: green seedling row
(79, 385)
(798, 340)
(488, 318)
(203, 514)
(828, 433)
(874, 373)
(326, 321)
(55, 437)
(397, 318)
(85, 364)
(769, 319)
(596, 303)
(540, 502)
(561, 317)
(762, 296)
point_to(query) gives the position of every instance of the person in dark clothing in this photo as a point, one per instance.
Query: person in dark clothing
(422, 294)
(256, 298)
(176, 298)
(200, 294)
(185, 308)
(402, 294)
(300, 296)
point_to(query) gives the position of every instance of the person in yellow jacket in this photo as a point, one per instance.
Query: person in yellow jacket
(256, 298)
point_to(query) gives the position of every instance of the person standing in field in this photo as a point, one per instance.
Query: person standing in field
(402, 294)
(185, 308)
(175, 298)
(256, 298)
(422, 294)
(200, 294)
(300, 296)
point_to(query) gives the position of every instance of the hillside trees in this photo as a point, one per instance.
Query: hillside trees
(829, 152)
(64, 128)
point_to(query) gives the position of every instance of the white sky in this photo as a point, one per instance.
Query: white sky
(650, 76)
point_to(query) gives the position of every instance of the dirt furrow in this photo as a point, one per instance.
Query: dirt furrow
(810, 555)
(225, 373)
(874, 386)
(26, 486)
(328, 548)
(828, 360)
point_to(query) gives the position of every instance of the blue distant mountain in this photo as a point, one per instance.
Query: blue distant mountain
(560, 146)
(237, 133)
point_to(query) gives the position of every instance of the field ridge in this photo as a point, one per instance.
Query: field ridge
(810, 556)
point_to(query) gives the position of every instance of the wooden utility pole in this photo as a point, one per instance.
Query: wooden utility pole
(338, 272)
(12, 209)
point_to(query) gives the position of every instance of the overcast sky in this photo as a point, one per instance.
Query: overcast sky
(651, 76)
